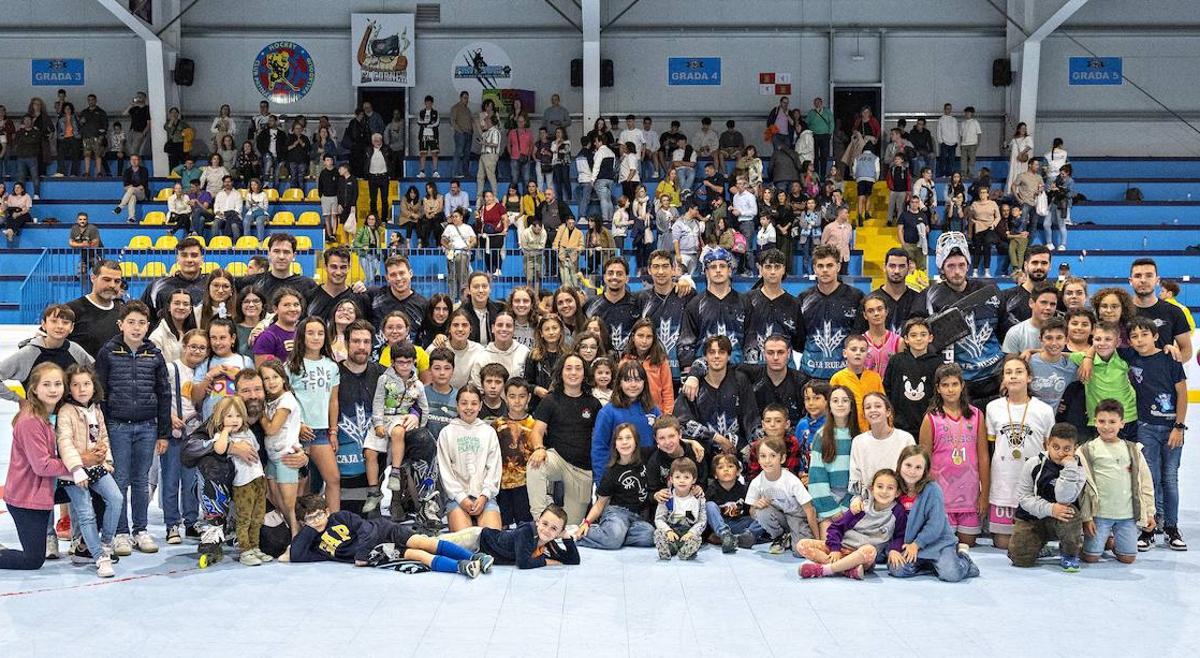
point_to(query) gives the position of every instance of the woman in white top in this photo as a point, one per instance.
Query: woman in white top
(179, 210)
(1056, 157)
(257, 210)
(222, 125)
(1020, 149)
(213, 174)
(174, 321)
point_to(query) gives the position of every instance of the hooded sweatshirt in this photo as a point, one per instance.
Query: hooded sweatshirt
(469, 461)
(513, 360)
(34, 352)
(909, 383)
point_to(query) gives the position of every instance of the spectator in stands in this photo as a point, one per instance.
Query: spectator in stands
(7, 130)
(489, 153)
(298, 148)
(85, 237)
(410, 213)
(492, 228)
(922, 142)
(393, 138)
(247, 165)
(323, 144)
(432, 217)
(840, 234)
(1060, 200)
(44, 125)
(463, 126)
(780, 126)
(222, 126)
(706, 141)
(179, 209)
(947, 137)
(17, 209)
(865, 172)
(568, 241)
(188, 171)
(968, 142)
(553, 212)
(139, 122)
(899, 183)
(1020, 152)
(560, 164)
(456, 198)
(175, 127)
(347, 192)
(257, 210)
(729, 145)
(202, 207)
(985, 217)
(227, 209)
(683, 160)
(213, 176)
(327, 189)
(25, 149)
(604, 170)
(457, 241)
(520, 152)
(428, 141)
(556, 116)
(137, 185)
(378, 176)
(1026, 187)
(70, 144)
(270, 145)
(93, 127)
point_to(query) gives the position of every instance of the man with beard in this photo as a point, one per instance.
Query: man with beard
(724, 415)
(978, 353)
(1173, 329)
(830, 312)
(1014, 302)
(774, 381)
(325, 298)
(663, 304)
(281, 253)
(616, 305)
(717, 312)
(356, 394)
(896, 295)
(96, 313)
(398, 295)
(189, 257)
(770, 310)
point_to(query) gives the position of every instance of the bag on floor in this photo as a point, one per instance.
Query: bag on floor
(1134, 194)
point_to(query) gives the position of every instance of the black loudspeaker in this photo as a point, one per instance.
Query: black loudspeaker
(606, 73)
(1002, 75)
(185, 71)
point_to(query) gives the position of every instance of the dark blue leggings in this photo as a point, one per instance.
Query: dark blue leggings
(31, 529)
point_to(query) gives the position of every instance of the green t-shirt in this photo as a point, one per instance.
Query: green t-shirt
(1110, 379)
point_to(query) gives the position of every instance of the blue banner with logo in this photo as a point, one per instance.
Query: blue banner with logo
(1095, 71)
(693, 71)
(57, 72)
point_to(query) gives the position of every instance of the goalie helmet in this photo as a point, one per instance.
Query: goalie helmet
(949, 243)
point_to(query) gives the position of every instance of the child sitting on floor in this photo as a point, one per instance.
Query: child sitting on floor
(1050, 503)
(778, 501)
(854, 540)
(728, 514)
(679, 521)
(930, 544)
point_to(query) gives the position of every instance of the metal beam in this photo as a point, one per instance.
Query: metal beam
(550, 3)
(619, 15)
(591, 62)
(156, 80)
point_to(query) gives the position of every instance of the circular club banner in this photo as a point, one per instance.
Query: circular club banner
(284, 72)
(481, 65)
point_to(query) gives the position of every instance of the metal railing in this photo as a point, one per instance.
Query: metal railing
(34, 290)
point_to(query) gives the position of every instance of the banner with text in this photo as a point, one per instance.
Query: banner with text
(1095, 71)
(383, 50)
(57, 72)
(693, 71)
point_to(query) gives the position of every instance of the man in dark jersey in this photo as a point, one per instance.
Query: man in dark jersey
(896, 295)
(398, 295)
(830, 312)
(326, 297)
(719, 311)
(281, 254)
(189, 257)
(770, 310)
(616, 305)
(978, 353)
(663, 305)
(724, 415)
(1014, 302)
(774, 381)
(356, 394)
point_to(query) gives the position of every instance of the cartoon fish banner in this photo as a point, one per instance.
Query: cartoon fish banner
(383, 54)
(284, 72)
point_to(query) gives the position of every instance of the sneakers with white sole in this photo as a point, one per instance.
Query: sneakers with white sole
(145, 543)
(122, 545)
(52, 548)
(104, 567)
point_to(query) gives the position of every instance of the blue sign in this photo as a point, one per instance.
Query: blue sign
(57, 72)
(693, 71)
(1095, 71)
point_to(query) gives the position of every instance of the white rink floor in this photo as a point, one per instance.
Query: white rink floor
(622, 603)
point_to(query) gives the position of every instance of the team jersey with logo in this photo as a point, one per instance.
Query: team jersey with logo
(823, 324)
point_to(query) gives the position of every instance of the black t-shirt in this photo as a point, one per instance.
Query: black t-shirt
(658, 467)
(322, 305)
(93, 325)
(1169, 319)
(1154, 377)
(267, 284)
(910, 221)
(139, 117)
(626, 485)
(898, 310)
(384, 301)
(722, 497)
(569, 423)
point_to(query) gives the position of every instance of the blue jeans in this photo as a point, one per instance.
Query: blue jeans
(945, 160)
(617, 527)
(1123, 531)
(258, 218)
(562, 182)
(949, 566)
(132, 450)
(738, 525)
(228, 223)
(83, 515)
(1055, 219)
(178, 495)
(1163, 461)
(804, 251)
(686, 177)
(520, 175)
(462, 154)
(583, 195)
(270, 169)
(25, 168)
(603, 187)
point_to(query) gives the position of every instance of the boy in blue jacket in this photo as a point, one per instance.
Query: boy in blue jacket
(544, 543)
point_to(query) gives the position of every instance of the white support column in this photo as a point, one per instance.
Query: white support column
(156, 80)
(1031, 58)
(591, 62)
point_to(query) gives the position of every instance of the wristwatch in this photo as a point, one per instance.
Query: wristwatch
(1181, 427)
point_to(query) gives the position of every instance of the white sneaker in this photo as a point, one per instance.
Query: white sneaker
(1062, 247)
(1050, 246)
(104, 567)
(394, 483)
(52, 548)
(122, 545)
(249, 559)
(145, 543)
(436, 175)
(262, 557)
(496, 274)
(420, 174)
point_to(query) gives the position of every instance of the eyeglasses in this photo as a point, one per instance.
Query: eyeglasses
(197, 348)
(313, 517)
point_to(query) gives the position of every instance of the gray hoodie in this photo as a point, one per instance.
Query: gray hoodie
(32, 352)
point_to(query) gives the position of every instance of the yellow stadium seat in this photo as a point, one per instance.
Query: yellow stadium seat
(296, 269)
(129, 269)
(173, 174)
(155, 218)
(140, 242)
(154, 269)
(166, 243)
(272, 194)
(200, 238)
(292, 194)
(313, 195)
(221, 242)
(309, 218)
(208, 266)
(237, 269)
(283, 218)
(163, 194)
(245, 192)
(246, 242)
(303, 242)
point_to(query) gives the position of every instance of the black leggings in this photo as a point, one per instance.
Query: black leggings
(31, 530)
(493, 251)
(15, 221)
(981, 246)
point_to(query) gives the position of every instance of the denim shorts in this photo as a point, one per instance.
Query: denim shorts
(320, 437)
(490, 506)
(1124, 533)
(282, 474)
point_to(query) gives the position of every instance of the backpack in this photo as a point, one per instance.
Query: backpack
(739, 243)
(1134, 194)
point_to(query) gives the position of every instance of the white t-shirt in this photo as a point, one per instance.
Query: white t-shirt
(457, 234)
(245, 472)
(787, 494)
(869, 455)
(288, 436)
(1016, 441)
(650, 139)
(633, 135)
